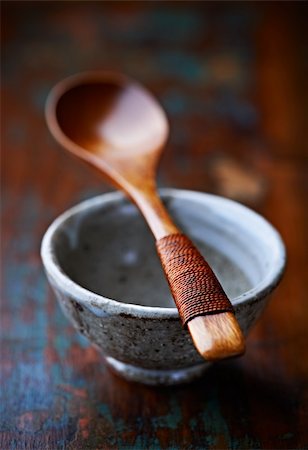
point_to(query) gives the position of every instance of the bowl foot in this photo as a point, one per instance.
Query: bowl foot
(157, 377)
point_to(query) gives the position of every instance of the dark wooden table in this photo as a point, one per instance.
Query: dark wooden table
(232, 79)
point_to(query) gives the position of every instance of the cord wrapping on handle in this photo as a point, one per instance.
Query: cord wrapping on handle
(193, 284)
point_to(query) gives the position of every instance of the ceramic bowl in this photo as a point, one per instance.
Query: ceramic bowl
(101, 261)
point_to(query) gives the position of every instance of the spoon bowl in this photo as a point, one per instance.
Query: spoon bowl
(101, 115)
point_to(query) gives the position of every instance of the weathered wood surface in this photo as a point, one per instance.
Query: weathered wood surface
(231, 77)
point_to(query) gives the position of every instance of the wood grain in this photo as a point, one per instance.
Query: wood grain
(232, 78)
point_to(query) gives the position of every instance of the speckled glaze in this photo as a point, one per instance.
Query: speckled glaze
(101, 261)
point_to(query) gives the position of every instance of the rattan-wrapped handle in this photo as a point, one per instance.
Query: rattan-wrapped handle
(197, 292)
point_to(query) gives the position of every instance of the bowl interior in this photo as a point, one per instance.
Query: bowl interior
(108, 249)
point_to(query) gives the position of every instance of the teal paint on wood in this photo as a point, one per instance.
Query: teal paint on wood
(172, 420)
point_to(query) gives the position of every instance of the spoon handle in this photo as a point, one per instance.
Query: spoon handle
(202, 303)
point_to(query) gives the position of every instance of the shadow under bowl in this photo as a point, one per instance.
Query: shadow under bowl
(101, 261)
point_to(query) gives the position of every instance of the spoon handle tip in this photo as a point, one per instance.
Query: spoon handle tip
(217, 336)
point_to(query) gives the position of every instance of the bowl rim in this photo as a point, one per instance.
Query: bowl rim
(98, 302)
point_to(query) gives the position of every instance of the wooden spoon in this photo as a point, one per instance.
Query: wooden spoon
(113, 123)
